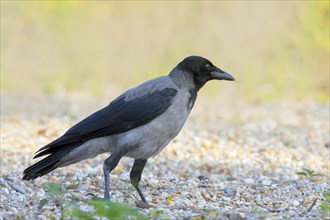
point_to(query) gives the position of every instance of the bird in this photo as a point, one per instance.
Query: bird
(138, 124)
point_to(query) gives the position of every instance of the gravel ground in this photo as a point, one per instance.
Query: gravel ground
(231, 161)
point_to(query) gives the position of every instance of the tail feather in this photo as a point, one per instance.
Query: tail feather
(48, 164)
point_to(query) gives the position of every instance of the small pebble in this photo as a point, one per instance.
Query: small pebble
(82, 187)
(295, 203)
(19, 188)
(249, 181)
(229, 191)
(13, 209)
(79, 177)
(5, 191)
(40, 193)
(201, 177)
(266, 182)
(153, 183)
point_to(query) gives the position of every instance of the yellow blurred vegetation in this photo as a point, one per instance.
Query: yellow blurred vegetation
(275, 49)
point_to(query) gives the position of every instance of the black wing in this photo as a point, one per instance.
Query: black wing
(119, 116)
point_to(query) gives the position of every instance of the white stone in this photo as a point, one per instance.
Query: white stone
(295, 203)
(266, 182)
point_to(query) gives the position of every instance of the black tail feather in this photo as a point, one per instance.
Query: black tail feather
(48, 164)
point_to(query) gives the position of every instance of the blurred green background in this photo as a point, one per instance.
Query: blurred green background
(275, 49)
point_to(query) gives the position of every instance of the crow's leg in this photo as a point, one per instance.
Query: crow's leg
(109, 164)
(135, 176)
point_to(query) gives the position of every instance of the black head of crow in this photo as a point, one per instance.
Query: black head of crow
(137, 124)
(202, 70)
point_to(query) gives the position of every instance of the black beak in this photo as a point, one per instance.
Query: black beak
(221, 75)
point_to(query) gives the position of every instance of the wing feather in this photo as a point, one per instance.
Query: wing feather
(118, 117)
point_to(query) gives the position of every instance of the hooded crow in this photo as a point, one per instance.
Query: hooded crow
(137, 124)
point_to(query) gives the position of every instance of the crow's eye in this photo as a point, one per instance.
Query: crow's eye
(208, 66)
